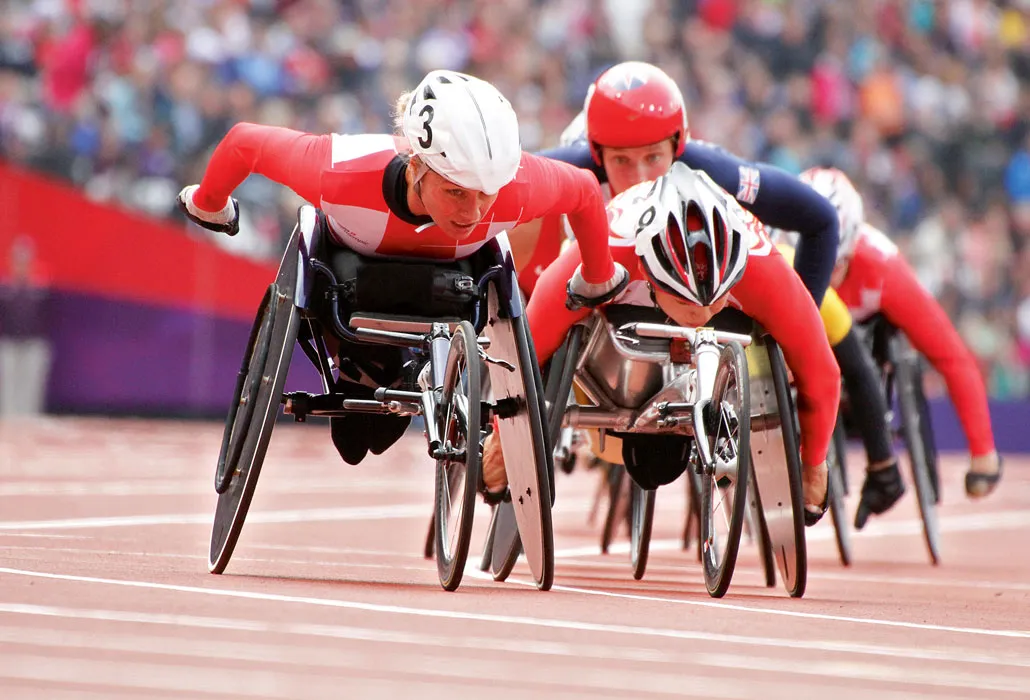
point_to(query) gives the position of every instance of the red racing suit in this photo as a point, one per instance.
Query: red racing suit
(358, 181)
(770, 292)
(879, 280)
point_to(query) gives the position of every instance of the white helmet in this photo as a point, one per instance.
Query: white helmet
(836, 187)
(690, 234)
(465, 130)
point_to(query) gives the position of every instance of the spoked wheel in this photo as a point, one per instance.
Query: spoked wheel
(641, 521)
(457, 472)
(905, 382)
(723, 509)
(837, 490)
(835, 496)
(251, 418)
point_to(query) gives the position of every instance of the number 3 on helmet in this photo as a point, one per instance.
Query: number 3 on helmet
(635, 104)
(465, 130)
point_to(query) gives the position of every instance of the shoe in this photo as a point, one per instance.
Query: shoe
(881, 489)
(350, 436)
(815, 513)
(980, 484)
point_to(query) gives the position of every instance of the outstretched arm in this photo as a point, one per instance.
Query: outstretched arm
(779, 200)
(559, 188)
(291, 158)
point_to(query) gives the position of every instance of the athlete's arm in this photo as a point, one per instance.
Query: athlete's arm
(779, 200)
(291, 158)
(559, 188)
(772, 294)
(907, 305)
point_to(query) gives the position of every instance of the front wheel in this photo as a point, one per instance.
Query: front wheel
(724, 492)
(460, 460)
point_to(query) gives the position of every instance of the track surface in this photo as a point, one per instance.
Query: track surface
(104, 590)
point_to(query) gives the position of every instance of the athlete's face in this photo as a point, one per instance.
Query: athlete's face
(631, 166)
(455, 209)
(686, 313)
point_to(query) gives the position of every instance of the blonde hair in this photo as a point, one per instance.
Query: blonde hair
(399, 108)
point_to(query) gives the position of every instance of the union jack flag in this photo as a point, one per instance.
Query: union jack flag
(750, 180)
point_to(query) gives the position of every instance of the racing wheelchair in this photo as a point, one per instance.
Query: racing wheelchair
(695, 401)
(909, 417)
(377, 359)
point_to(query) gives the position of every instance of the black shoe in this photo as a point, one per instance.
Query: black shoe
(979, 485)
(386, 430)
(880, 491)
(812, 516)
(350, 435)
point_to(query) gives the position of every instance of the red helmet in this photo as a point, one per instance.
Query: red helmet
(635, 104)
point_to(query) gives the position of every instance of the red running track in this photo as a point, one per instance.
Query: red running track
(104, 590)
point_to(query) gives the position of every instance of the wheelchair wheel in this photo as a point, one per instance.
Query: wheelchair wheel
(524, 438)
(835, 498)
(506, 546)
(277, 326)
(929, 441)
(762, 541)
(905, 381)
(722, 509)
(840, 444)
(457, 476)
(616, 477)
(641, 522)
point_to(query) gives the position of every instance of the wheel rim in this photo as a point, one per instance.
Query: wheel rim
(456, 470)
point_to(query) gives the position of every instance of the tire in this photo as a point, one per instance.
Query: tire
(457, 480)
(616, 477)
(793, 569)
(762, 539)
(540, 555)
(835, 497)
(234, 501)
(729, 437)
(507, 547)
(641, 522)
(905, 378)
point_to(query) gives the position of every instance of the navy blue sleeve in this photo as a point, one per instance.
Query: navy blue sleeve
(779, 200)
(577, 154)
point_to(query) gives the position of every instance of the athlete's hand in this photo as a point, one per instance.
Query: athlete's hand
(225, 221)
(581, 293)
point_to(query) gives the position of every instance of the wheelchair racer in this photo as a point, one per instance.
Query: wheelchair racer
(693, 251)
(452, 179)
(633, 127)
(872, 277)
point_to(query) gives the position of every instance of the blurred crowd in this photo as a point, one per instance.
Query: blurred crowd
(924, 103)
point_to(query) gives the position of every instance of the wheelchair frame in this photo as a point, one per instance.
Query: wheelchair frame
(499, 315)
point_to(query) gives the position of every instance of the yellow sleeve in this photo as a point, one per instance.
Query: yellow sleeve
(833, 311)
(836, 317)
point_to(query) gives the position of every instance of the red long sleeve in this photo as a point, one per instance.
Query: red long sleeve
(291, 158)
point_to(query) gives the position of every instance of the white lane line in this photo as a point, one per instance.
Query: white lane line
(193, 487)
(1015, 634)
(513, 620)
(970, 522)
(384, 512)
(288, 653)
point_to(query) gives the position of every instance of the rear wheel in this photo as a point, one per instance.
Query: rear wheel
(905, 382)
(723, 509)
(457, 473)
(248, 432)
(835, 497)
(641, 523)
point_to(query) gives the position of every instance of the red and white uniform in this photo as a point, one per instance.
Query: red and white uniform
(880, 281)
(351, 179)
(770, 292)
